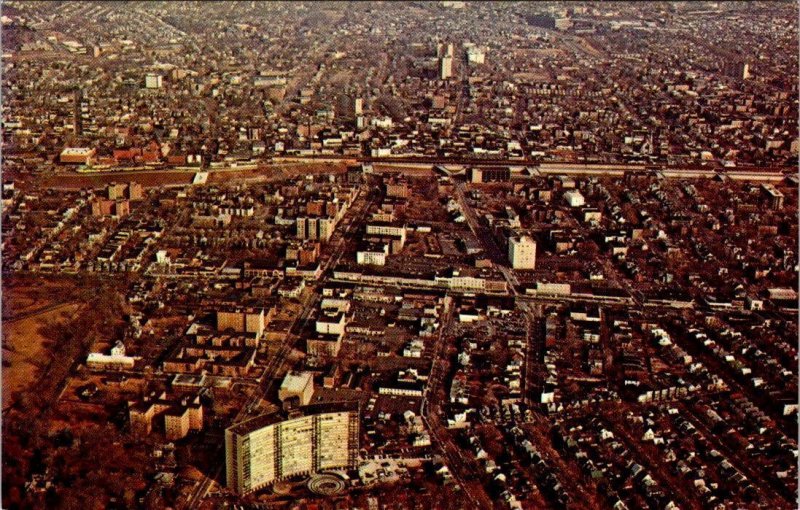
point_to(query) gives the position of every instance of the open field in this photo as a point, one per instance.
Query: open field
(34, 309)
(28, 294)
(21, 299)
(158, 178)
(147, 179)
(277, 171)
(24, 347)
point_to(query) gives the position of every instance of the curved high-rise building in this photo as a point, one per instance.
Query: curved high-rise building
(267, 448)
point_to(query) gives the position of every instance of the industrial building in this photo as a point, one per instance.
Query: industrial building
(77, 155)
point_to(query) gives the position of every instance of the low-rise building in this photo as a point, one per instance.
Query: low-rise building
(77, 155)
(373, 254)
(298, 385)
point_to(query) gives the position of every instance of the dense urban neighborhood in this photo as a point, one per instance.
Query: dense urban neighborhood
(389, 255)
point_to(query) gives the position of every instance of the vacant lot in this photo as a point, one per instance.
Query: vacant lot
(34, 310)
(147, 179)
(25, 296)
(24, 348)
(276, 172)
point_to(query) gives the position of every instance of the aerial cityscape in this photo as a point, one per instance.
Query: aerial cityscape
(399, 255)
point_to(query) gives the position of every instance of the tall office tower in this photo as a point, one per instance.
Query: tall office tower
(445, 68)
(358, 106)
(522, 252)
(266, 449)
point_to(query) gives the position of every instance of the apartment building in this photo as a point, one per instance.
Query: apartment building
(268, 448)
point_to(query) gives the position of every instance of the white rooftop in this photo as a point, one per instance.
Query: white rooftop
(296, 381)
(76, 151)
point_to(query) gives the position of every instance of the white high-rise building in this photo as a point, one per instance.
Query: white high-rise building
(358, 106)
(266, 449)
(444, 50)
(476, 55)
(522, 252)
(445, 67)
(153, 81)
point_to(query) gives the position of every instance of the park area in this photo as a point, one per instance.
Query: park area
(30, 312)
(48, 324)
